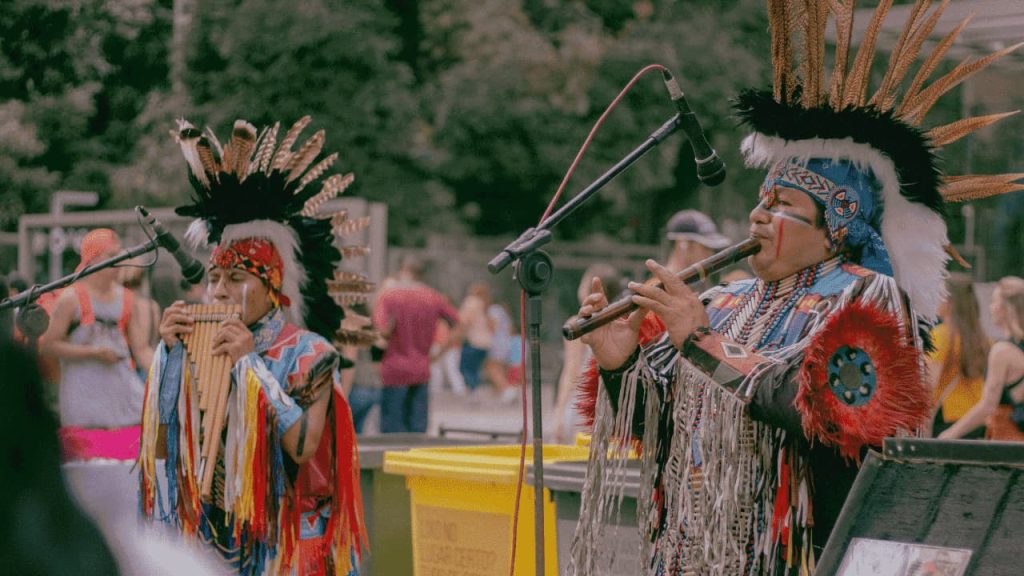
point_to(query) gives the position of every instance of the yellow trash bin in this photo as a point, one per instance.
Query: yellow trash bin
(462, 506)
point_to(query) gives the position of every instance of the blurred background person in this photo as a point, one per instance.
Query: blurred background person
(97, 331)
(44, 531)
(956, 368)
(406, 314)
(694, 237)
(478, 331)
(500, 354)
(1004, 374)
(514, 373)
(361, 382)
(49, 366)
(16, 284)
(133, 278)
(6, 316)
(576, 356)
(444, 361)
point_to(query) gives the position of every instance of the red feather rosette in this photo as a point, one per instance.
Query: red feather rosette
(860, 381)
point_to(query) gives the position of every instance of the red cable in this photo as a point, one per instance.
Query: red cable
(522, 300)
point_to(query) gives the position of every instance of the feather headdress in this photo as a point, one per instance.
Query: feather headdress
(255, 187)
(812, 115)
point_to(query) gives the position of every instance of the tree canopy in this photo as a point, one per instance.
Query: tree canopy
(461, 115)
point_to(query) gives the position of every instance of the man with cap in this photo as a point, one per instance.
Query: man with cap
(755, 404)
(694, 237)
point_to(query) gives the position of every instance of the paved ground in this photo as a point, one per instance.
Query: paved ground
(482, 411)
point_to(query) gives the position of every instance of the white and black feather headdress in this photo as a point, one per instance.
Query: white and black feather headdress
(811, 114)
(257, 187)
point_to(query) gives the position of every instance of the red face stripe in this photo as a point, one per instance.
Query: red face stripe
(778, 236)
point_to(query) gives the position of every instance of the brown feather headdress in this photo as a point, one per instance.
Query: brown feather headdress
(254, 186)
(813, 113)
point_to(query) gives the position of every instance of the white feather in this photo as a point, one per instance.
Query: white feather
(197, 236)
(914, 235)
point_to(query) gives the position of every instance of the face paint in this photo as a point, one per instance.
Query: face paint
(793, 217)
(245, 300)
(778, 236)
(767, 206)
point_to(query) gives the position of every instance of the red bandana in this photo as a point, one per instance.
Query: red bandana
(258, 257)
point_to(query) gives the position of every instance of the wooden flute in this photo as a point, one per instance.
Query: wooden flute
(576, 326)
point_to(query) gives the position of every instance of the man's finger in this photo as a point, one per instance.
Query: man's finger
(180, 319)
(672, 283)
(595, 301)
(636, 318)
(649, 292)
(232, 322)
(649, 304)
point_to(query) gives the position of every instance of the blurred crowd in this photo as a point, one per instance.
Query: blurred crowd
(103, 328)
(102, 331)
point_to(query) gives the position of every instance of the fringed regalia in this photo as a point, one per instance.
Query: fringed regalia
(256, 203)
(266, 515)
(750, 434)
(730, 427)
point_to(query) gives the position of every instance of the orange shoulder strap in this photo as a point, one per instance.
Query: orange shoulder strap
(84, 305)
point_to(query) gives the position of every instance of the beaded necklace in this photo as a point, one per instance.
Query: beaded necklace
(774, 301)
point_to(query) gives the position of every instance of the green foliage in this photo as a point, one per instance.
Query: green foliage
(73, 75)
(461, 115)
(511, 112)
(336, 61)
(22, 184)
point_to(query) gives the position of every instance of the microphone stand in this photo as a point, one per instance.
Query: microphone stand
(32, 320)
(534, 270)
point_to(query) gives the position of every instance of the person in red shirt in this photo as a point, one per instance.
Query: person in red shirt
(407, 313)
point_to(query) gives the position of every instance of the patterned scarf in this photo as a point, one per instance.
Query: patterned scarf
(258, 257)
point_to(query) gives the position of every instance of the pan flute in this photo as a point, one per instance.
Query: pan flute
(212, 377)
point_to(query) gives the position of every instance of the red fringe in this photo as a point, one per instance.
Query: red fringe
(350, 532)
(587, 385)
(900, 401)
(345, 532)
(289, 520)
(260, 471)
(189, 507)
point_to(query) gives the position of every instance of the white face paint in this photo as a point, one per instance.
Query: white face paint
(245, 300)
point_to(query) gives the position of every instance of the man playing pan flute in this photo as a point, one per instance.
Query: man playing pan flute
(285, 495)
(754, 402)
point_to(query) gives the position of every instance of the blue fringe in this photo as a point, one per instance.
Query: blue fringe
(171, 467)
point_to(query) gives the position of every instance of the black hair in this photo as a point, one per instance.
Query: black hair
(43, 531)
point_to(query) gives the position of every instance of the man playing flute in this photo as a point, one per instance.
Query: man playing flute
(285, 494)
(753, 404)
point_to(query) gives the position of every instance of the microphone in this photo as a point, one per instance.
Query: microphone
(191, 268)
(710, 168)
